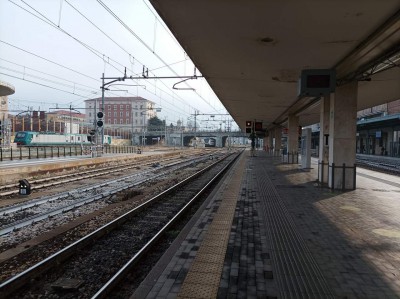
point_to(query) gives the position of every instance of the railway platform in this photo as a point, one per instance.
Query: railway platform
(270, 231)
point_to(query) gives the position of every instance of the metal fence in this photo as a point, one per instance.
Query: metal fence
(39, 152)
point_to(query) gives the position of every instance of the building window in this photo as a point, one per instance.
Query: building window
(121, 121)
(127, 121)
(121, 107)
(135, 121)
(127, 107)
(136, 114)
(90, 114)
(115, 107)
(115, 121)
(109, 114)
(127, 113)
(121, 114)
(109, 107)
(115, 114)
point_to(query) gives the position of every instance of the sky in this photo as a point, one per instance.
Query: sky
(55, 52)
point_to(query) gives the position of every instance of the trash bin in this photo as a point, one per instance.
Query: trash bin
(24, 187)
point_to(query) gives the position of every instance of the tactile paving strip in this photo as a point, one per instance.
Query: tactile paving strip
(200, 281)
(297, 273)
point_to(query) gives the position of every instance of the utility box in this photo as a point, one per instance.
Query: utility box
(24, 187)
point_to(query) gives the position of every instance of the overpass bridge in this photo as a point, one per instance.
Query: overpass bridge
(184, 138)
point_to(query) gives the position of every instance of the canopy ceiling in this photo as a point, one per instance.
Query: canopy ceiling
(252, 52)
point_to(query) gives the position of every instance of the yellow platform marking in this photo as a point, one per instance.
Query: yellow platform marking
(391, 233)
(203, 278)
(350, 208)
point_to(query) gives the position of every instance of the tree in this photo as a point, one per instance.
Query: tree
(156, 124)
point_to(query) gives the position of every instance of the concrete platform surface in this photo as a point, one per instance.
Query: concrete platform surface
(269, 231)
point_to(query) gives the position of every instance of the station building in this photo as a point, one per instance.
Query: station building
(378, 130)
(123, 112)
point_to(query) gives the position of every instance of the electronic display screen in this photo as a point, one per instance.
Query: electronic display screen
(318, 81)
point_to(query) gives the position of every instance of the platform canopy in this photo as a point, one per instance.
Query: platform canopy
(6, 89)
(252, 51)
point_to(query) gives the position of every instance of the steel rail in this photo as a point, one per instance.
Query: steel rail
(82, 176)
(20, 279)
(33, 203)
(107, 288)
(42, 216)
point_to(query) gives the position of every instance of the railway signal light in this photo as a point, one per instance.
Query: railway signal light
(249, 125)
(100, 116)
(24, 187)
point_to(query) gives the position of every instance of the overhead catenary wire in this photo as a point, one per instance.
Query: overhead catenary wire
(48, 80)
(50, 61)
(84, 43)
(79, 95)
(50, 75)
(162, 24)
(52, 24)
(144, 43)
(87, 19)
(123, 49)
(49, 22)
(33, 54)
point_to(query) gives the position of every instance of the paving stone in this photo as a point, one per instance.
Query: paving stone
(355, 261)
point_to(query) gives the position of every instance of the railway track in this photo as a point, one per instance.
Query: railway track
(92, 266)
(381, 166)
(36, 184)
(27, 213)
